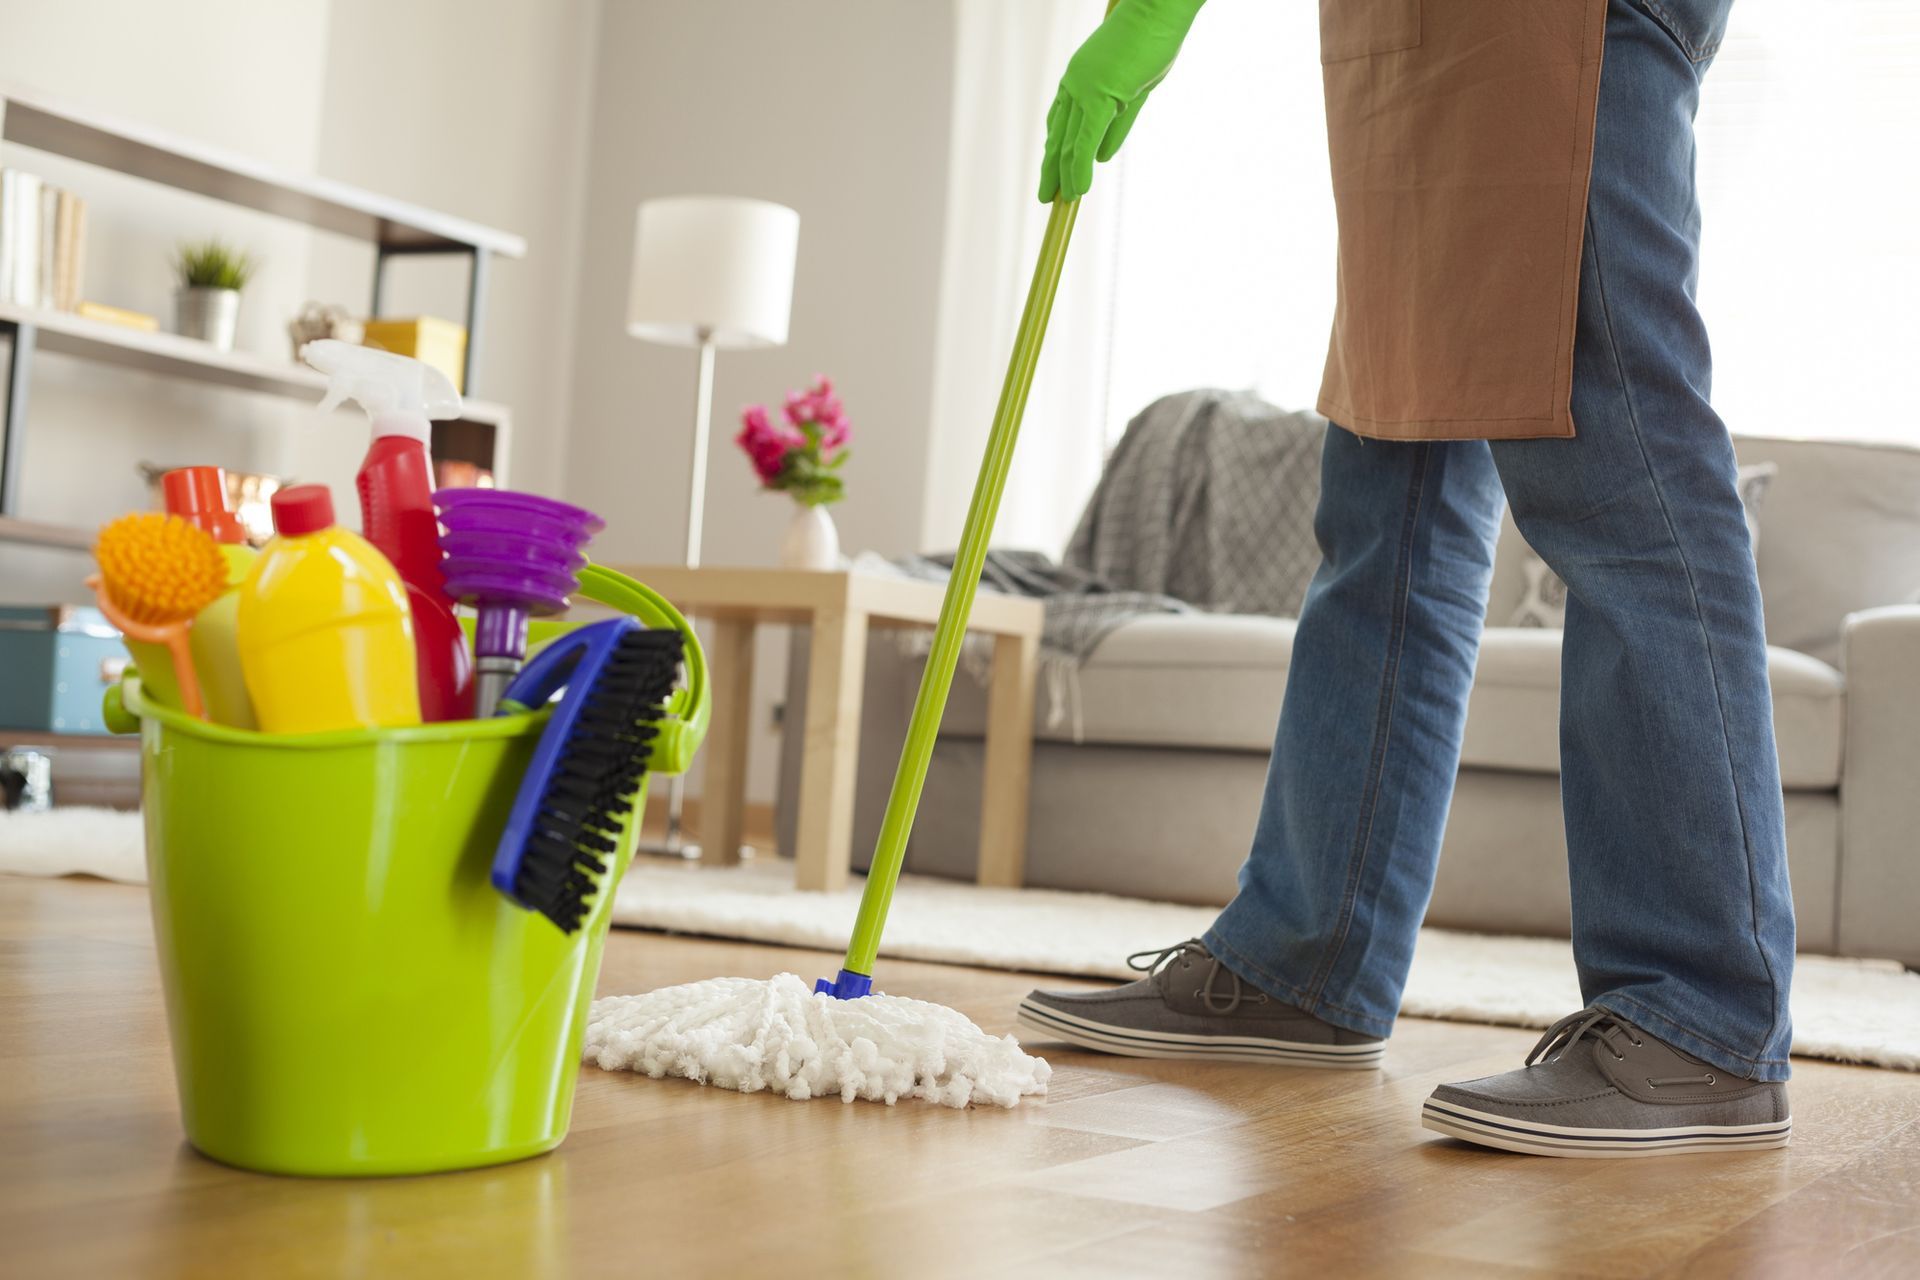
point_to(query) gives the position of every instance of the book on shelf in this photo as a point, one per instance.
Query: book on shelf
(42, 242)
(117, 315)
(70, 251)
(44, 260)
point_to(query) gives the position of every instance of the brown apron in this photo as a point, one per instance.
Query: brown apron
(1461, 137)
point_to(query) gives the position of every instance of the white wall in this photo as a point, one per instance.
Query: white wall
(841, 111)
(476, 107)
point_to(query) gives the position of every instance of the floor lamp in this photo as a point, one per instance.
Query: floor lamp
(709, 272)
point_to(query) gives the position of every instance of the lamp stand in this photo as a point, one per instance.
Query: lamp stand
(674, 843)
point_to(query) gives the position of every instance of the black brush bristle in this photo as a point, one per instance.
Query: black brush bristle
(589, 796)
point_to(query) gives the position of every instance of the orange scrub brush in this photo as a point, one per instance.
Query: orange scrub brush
(156, 572)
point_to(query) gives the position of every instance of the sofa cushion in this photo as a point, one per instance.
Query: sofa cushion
(1204, 680)
(1840, 532)
(1216, 681)
(1513, 719)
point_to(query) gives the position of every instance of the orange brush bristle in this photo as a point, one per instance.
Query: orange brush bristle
(159, 569)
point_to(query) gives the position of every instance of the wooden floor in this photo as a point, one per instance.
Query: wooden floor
(1128, 1168)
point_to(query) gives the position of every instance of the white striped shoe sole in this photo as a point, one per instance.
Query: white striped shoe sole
(1508, 1134)
(1133, 1043)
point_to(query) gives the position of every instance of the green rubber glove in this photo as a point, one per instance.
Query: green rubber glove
(1106, 84)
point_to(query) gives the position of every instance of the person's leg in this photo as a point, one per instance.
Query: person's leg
(1683, 921)
(1368, 744)
(1306, 965)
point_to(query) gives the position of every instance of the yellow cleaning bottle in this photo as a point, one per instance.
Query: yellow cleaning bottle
(326, 638)
(198, 495)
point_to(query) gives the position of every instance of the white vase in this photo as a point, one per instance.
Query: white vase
(811, 542)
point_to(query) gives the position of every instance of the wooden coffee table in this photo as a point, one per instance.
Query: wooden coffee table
(839, 608)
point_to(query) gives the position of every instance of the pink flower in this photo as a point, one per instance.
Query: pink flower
(820, 408)
(801, 456)
(766, 445)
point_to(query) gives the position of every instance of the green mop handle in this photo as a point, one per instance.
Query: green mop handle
(931, 702)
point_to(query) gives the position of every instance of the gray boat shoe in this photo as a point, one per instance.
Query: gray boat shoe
(1191, 1006)
(1598, 1086)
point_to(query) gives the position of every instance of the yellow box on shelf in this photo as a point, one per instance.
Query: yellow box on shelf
(428, 339)
(117, 315)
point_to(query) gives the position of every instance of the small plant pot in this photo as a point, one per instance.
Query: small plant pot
(211, 315)
(811, 541)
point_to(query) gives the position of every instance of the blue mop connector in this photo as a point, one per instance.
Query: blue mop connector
(848, 986)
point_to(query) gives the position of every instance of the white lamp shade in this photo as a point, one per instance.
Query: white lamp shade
(722, 265)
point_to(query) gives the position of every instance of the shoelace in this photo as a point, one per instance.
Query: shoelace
(1156, 961)
(1607, 1028)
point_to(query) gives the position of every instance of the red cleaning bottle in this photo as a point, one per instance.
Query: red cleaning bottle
(396, 502)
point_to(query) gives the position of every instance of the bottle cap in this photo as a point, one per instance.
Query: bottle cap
(305, 508)
(198, 495)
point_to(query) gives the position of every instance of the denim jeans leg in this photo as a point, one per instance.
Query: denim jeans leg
(1368, 744)
(1682, 915)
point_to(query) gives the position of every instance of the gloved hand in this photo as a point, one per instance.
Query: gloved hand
(1106, 84)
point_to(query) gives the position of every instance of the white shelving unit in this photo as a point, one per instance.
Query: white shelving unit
(394, 228)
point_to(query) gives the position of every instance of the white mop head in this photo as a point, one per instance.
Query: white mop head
(740, 1033)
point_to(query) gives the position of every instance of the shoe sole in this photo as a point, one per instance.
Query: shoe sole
(1133, 1043)
(1508, 1134)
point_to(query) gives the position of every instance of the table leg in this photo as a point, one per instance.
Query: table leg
(723, 795)
(836, 676)
(1003, 801)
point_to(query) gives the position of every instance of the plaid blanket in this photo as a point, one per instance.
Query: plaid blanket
(1208, 498)
(1206, 504)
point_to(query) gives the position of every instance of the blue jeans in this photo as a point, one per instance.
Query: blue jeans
(1682, 918)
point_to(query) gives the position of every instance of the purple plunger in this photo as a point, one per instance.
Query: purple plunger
(512, 556)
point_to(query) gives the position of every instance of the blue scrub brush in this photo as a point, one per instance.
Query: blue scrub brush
(613, 679)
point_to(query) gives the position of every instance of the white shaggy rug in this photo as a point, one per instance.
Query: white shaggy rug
(1848, 1010)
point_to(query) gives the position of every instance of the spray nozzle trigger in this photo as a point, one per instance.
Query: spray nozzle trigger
(391, 388)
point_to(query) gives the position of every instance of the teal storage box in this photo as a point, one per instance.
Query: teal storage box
(55, 662)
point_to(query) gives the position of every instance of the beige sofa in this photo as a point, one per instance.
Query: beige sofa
(1158, 796)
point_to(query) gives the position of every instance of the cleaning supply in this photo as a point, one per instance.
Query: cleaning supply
(198, 495)
(326, 637)
(396, 501)
(346, 993)
(845, 1038)
(749, 1035)
(1106, 83)
(157, 572)
(578, 792)
(512, 556)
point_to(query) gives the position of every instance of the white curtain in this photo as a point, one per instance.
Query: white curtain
(1008, 58)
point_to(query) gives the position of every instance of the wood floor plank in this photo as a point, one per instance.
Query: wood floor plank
(1126, 1168)
(1860, 1220)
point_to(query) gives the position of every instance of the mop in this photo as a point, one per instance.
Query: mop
(842, 1037)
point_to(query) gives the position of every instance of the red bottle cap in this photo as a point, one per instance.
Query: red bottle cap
(305, 508)
(198, 495)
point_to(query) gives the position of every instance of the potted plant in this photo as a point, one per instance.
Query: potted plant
(802, 457)
(207, 303)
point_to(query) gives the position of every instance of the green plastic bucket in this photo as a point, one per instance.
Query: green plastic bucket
(347, 993)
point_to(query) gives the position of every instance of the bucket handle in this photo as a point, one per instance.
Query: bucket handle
(691, 705)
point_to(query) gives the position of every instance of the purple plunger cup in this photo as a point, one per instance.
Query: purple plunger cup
(512, 556)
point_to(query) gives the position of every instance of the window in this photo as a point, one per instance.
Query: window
(1810, 278)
